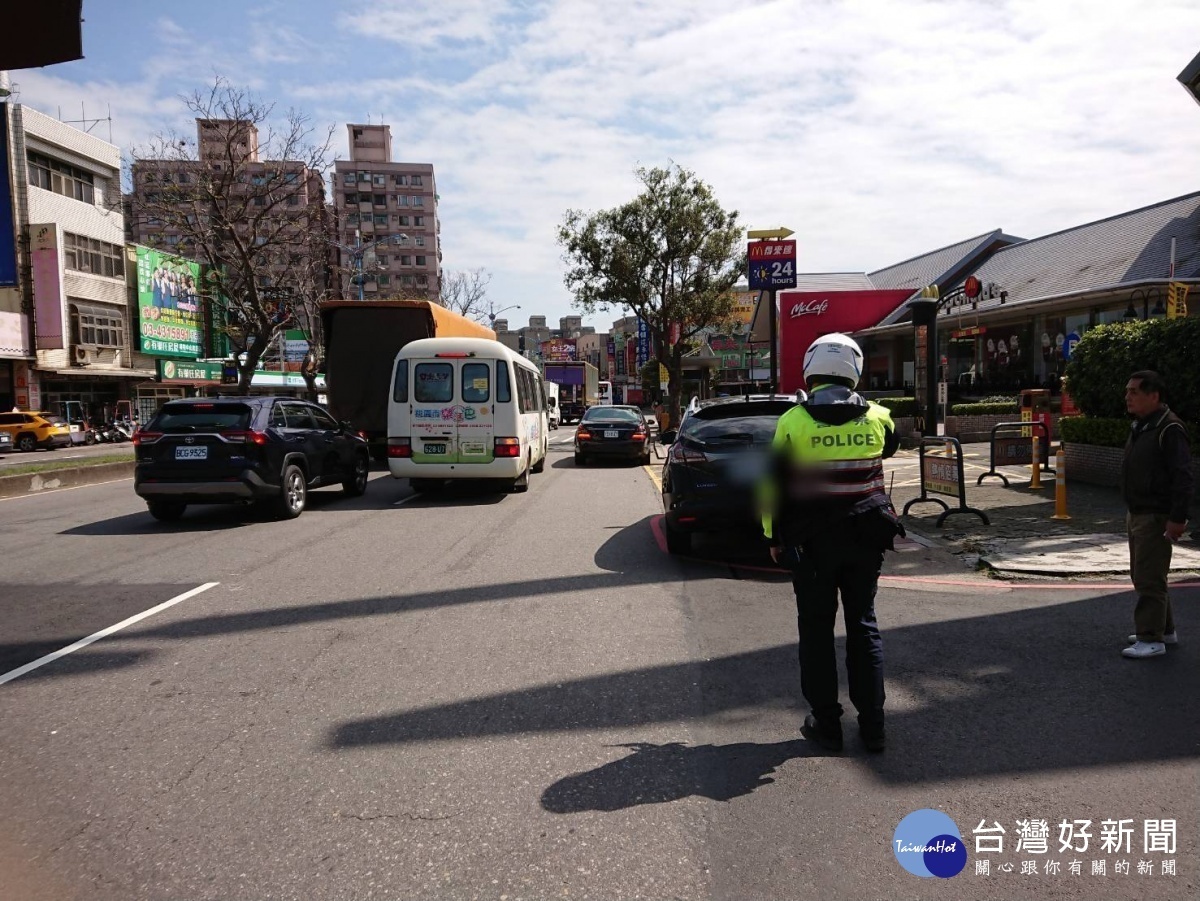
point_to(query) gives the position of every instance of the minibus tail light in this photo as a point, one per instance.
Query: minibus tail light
(508, 447)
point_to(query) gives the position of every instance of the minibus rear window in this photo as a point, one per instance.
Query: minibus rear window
(400, 394)
(476, 383)
(434, 383)
(503, 386)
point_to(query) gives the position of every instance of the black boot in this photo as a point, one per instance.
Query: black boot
(827, 736)
(872, 737)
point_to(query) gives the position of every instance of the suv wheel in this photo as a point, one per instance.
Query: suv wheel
(166, 511)
(293, 493)
(678, 542)
(27, 443)
(355, 484)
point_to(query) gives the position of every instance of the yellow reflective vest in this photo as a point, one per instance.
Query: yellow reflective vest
(820, 462)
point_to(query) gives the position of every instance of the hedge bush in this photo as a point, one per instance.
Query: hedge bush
(1108, 354)
(1011, 400)
(900, 406)
(1106, 431)
(986, 408)
(1100, 430)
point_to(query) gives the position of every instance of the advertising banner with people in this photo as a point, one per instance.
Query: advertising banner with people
(168, 304)
(558, 350)
(806, 315)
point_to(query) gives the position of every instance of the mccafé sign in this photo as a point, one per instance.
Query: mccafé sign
(806, 315)
(811, 307)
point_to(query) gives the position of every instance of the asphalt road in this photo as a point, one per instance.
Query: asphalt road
(523, 696)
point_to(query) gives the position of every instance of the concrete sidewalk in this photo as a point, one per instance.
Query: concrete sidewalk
(1021, 538)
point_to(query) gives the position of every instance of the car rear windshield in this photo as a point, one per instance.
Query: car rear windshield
(733, 424)
(201, 418)
(601, 414)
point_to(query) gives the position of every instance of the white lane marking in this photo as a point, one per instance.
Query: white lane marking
(411, 497)
(84, 642)
(45, 491)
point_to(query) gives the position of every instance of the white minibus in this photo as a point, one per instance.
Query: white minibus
(465, 408)
(604, 394)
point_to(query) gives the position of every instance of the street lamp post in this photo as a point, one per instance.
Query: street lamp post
(493, 313)
(359, 251)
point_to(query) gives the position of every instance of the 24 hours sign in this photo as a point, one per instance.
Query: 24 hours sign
(772, 265)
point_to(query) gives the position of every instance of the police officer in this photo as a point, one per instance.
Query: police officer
(828, 518)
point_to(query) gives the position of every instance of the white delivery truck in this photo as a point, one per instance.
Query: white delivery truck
(555, 413)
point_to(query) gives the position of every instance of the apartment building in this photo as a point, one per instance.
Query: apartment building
(282, 199)
(386, 219)
(72, 338)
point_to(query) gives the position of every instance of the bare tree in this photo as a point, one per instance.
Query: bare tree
(247, 199)
(466, 292)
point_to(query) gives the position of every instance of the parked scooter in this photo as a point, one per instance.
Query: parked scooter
(124, 429)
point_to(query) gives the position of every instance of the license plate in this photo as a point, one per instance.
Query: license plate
(435, 448)
(609, 433)
(191, 453)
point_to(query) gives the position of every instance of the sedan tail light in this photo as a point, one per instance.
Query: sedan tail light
(583, 434)
(639, 435)
(399, 447)
(140, 437)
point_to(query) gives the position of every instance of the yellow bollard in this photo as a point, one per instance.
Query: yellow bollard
(1060, 485)
(1035, 480)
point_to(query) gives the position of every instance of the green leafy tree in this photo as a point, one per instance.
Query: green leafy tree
(1108, 354)
(671, 256)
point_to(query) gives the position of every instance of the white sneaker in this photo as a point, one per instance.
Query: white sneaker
(1169, 638)
(1145, 649)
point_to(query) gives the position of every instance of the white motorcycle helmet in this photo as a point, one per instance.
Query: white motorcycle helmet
(834, 356)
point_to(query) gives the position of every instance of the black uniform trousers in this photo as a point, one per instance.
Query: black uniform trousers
(839, 561)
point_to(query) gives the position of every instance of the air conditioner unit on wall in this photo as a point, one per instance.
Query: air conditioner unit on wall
(82, 356)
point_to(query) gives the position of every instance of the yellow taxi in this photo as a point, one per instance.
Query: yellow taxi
(30, 430)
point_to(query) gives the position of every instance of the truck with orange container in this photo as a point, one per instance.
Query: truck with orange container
(362, 339)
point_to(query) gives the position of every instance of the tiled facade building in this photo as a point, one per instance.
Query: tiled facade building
(392, 206)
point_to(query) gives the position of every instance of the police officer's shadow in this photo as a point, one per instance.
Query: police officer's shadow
(657, 774)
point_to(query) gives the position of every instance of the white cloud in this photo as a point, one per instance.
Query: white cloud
(877, 130)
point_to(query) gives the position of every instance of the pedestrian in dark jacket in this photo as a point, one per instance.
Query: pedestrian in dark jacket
(1156, 481)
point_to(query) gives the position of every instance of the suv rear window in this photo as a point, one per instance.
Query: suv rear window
(732, 424)
(201, 418)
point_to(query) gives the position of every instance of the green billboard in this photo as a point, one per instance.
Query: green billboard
(168, 304)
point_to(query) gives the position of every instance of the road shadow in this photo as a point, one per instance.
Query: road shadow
(463, 493)
(380, 495)
(79, 663)
(567, 461)
(659, 774)
(199, 518)
(1031, 690)
(44, 617)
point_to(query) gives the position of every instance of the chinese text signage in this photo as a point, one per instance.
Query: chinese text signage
(168, 304)
(772, 265)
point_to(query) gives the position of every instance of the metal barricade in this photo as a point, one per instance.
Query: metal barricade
(1017, 449)
(942, 473)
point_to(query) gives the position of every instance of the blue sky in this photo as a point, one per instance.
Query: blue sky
(875, 129)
